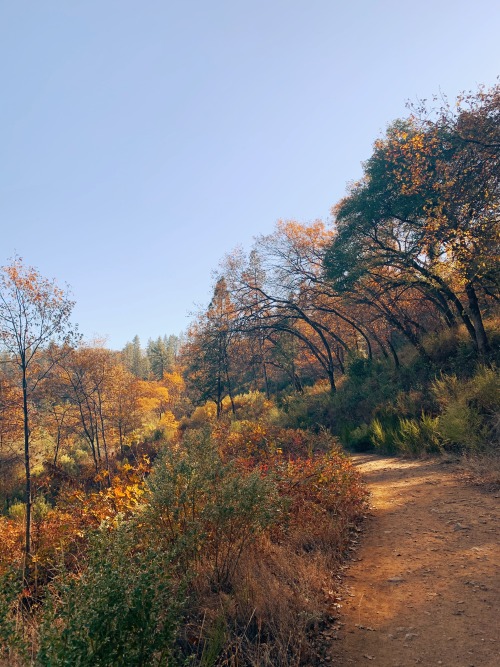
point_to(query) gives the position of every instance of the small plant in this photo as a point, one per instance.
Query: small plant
(382, 437)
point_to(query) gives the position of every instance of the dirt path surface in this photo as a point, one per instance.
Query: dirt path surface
(423, 587)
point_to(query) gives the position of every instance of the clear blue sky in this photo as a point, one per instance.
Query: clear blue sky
(141, 141)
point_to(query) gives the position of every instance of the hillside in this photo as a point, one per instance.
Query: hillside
(193, 501)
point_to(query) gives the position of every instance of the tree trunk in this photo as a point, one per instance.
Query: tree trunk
(27, 535)
(103, 433)
(264, 368)
(229, 388)
(297, 384)
(394, 353)
(380, 344)
(219, 396)
(482, 343)
(331, 380)
(266, 380)
(339, 353)
(58, 442)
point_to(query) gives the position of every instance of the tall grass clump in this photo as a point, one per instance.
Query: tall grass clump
(470, 410)
(416, 437)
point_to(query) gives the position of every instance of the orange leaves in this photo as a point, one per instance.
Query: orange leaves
(153, 397)
(11, 543)
(305, 238)
(28, 289)
(123, 496)
(62, 531)
(175, 385)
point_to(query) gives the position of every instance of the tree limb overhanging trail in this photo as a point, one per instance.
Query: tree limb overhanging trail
(423, 587)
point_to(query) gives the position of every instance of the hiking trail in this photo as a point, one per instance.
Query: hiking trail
(423, 586)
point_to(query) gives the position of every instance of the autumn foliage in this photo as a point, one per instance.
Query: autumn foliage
(190, 502)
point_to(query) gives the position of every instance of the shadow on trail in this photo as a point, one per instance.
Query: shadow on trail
(424, 585)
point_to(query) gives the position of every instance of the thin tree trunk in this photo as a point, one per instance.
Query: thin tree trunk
(105, 444)
(339, 354)
(331, 379)
(58, 442)
(394, 353)
(219, 395)
(228, 380)
(380, 344)
(264, 368)
(266, 380)
(27, 467)
(482, 343)
(297, 383)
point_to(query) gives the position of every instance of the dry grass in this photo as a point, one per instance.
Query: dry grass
(283, 588)
(483, 469)
(276, 601)
(279, 592)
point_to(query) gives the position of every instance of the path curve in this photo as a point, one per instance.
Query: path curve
(423, 587)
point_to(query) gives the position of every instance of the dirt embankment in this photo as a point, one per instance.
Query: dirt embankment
(423, 587)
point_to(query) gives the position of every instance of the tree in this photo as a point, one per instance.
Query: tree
(208, 349)
(425, 214)
(87, 371)
(279, 291)
(124, 413)
(161, 356)
(135, 359)
(35, 331)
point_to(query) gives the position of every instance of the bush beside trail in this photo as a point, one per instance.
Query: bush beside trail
(211, 559)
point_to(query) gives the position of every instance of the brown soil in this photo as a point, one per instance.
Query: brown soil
(423, 586)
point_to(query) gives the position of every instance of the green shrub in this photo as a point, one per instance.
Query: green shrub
(460, 426)
(252, 406)
(122, 609)
(359, 439)
(469, 409)
(389, 435)
(13, 647)
(313, 409)
(205, 509)
(39, 509)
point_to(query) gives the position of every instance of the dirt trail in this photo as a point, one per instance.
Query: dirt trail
(423, 587)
